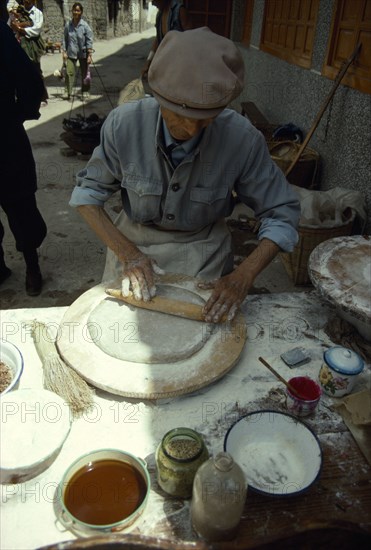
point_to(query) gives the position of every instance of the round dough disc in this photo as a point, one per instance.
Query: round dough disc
(219, 353)
(142, 336)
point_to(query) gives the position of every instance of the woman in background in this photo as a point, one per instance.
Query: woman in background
(77, 45)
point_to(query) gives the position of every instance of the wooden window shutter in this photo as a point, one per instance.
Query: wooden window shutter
(351, 24)
(288, 30)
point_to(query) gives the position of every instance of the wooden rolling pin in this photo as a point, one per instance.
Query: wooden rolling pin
(163, 305)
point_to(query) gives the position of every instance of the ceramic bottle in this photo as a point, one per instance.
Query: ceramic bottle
(218, 498)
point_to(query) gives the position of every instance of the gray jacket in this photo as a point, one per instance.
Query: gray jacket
(77, 40)
(231, 156)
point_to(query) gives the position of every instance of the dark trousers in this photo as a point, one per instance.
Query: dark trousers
(27, 226)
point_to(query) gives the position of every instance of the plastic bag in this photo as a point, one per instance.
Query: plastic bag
(87, 79)
(61, 74)
(330, 208)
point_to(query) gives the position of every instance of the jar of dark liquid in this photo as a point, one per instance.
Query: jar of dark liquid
(218, 498)
(178, 457)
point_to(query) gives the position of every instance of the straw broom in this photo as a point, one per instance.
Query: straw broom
(57, 376)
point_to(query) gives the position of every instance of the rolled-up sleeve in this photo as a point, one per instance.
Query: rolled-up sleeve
(264, 188)
(101, 177)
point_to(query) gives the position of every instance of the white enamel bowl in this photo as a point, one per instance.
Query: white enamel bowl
(278, 453)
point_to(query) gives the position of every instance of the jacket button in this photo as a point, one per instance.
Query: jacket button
(170, 217)
(175, 187)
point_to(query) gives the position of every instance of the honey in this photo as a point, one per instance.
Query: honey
(105, 492)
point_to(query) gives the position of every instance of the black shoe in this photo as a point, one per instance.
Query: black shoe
(5, 273)
(34, 283)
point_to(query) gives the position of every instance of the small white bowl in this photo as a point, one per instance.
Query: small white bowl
(12, 357)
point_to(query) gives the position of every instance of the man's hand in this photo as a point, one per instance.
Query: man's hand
(228, 294)
(138, 277)
(138, 269)
(230, 291)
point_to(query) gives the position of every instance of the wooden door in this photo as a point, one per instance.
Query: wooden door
(215, 14)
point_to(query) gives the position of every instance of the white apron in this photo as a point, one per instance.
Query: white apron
(205, 253)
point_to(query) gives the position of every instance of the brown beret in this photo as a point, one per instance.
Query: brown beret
(196, 73)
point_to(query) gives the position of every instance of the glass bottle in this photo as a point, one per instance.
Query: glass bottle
(178, 457)
(218, 498)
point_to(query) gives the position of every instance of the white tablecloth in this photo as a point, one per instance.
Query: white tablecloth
(275, 324)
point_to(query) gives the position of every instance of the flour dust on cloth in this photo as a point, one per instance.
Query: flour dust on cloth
(205, 253)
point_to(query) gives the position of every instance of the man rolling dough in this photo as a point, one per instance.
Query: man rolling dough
(176, 158)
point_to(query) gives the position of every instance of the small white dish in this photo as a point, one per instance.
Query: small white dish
(12, 357)
(278, 453)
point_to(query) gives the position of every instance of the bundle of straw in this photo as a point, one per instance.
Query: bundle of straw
(59, 377)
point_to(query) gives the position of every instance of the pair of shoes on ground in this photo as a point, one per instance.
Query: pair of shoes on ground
(85, 96)
(34, 282)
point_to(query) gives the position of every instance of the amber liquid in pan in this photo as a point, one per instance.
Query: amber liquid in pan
(105, 492)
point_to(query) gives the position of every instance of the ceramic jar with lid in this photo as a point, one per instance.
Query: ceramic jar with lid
(178, 457)
(339, 371)
(218, 498)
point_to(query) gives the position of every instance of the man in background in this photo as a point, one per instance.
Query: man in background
(28, 29)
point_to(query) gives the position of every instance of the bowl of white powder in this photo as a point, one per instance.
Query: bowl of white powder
(278, 453)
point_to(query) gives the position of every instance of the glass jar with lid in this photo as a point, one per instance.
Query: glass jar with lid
(178, 457)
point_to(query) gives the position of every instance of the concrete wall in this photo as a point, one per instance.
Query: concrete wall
(286, 93)
(107, 18)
